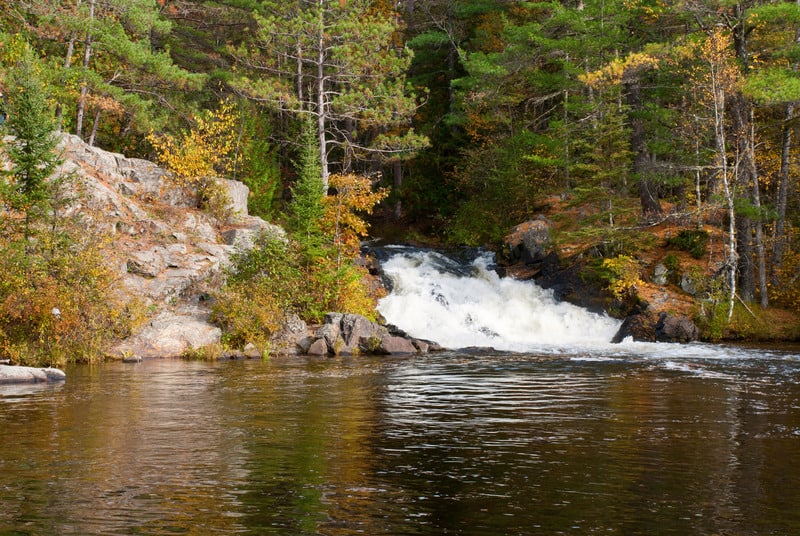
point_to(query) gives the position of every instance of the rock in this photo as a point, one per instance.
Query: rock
(393, 345)
(676, 328)
(147, 263)
(688, 285)
(292, 338)
(167, 252)
(331, 334)
(351, 334)
(250, 350)
(649, 327)
(660, 274)
(318, 348)
(172, 334)
(640, 327)
(13, 374)
(249, 231)
(360, 335)
(527, 243)
(238, 193)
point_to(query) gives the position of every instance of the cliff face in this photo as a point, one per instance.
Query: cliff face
(168, 255)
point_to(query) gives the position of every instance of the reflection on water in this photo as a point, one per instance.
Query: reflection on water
(447, 444)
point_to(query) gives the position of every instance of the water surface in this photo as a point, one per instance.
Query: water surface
(454, 443)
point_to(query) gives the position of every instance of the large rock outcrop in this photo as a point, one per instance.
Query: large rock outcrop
(169, 255)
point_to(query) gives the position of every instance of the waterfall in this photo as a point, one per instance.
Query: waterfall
(466, 304)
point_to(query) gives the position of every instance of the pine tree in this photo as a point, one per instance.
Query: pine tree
(338, 63)
(307, 209)
(32, 153)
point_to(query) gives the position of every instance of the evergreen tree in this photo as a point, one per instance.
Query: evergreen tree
(307, 208)
(32, 152)
(338, 63)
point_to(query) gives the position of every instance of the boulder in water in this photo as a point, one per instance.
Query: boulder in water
(649, 327)
(352, 334)
(12, 374)
(676, 328)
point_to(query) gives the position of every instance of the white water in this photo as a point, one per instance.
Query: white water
(458, 306)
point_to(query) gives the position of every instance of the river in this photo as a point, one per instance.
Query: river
(564, 437)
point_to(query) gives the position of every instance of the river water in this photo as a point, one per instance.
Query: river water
(565, 437)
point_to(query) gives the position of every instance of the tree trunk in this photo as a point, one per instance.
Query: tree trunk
(747, 180)
(779, 241)
(648, 190)
(397, 171)
(321, 103)
(93, 133)
(87, 56)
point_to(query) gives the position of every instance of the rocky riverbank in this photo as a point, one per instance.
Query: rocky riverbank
(668, 299)
(170, 259)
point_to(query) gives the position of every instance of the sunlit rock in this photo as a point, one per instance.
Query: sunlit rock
(12, 374)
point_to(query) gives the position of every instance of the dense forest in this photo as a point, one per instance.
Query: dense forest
(470, 115)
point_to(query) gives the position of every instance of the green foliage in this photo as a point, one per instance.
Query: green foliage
(352, 75)
(24, 187)
(673, 266)
(258, 165)
(693, 241)
(769, 86)
(306, 209)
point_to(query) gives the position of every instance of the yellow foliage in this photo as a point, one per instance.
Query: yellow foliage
(57, 299)
(625, 275)
(341, 220)
(196, 158)
(619, 69)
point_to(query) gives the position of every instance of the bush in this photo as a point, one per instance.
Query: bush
(275, 279)
(622, 274)
(693, 241)
(57, 303)
(673, 266)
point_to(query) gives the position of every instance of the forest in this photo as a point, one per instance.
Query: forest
(455, 120)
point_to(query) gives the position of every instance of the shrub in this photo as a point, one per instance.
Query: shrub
(673, 266)
(622, 274)
(57, 302)
(693, 241)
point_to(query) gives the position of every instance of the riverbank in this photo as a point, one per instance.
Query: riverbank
(669, 269)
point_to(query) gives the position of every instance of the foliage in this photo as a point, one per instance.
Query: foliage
(623, 275)
(275, 279)
(57, 295)
(24, 187)
(257, 161)
(108, 68)
(693, 241)
(353, 195)
(307, 209)
(673, 265)
(199, 156)
(339, 63)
